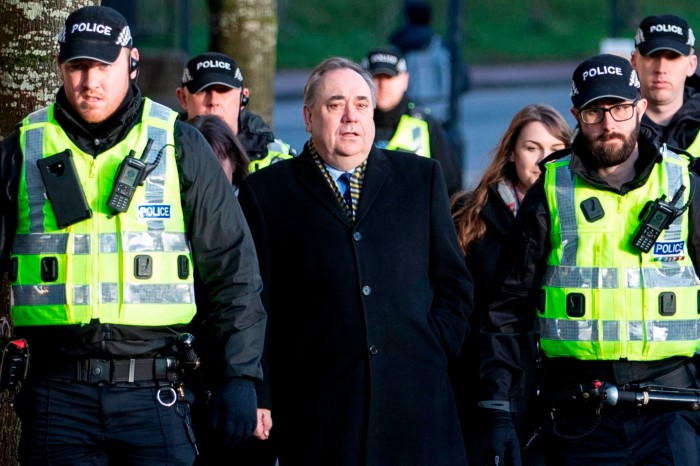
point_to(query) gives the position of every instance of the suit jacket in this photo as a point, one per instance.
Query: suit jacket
(363, 318)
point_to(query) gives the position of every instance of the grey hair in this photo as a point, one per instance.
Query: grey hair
(330, 64)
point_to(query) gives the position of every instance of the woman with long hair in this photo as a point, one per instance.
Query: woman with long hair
(232, 156)
(482, 218)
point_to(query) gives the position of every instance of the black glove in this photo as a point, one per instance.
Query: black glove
(234, 411)
(501, 445)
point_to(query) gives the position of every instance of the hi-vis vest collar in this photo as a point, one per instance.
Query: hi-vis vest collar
(411, 135)
(603, 299)
(277, 151)
(694, 148)
(134, 268)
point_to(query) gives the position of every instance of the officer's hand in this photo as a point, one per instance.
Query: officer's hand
(501, 445)
(233, 411)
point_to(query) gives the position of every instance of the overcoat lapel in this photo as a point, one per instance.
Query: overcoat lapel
(311, 178)
(375, 174)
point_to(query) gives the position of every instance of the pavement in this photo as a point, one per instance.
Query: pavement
(289, 84)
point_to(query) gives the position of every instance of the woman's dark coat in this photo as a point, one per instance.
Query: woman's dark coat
(362, 318)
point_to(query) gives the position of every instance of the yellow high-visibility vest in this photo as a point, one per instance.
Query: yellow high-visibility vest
(603, 299)
(134, 268)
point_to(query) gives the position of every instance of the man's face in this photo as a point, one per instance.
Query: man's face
(340, 119)
(390, 90)
(611, 142)
(662, 75)
(94, 89)
(216, 99)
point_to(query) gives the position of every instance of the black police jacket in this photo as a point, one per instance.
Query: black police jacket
(684, 127)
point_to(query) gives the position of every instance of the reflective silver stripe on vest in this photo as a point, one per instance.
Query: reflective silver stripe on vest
(40, 116)
(603, 277)
(587, 330)
(666, 330)
(567, 275)
(81, 244)
(39, 243)
(37, 295)
(581, 277)
(140, 241)
(33, 295)
(670, 275)
(418, 141)
(156, 180)
(567, 215)
(146, 241)
(172, 293)
(81, 295)
(159, 294)
(107, 243)
(109, 293)
(33, 151)
(675, 180)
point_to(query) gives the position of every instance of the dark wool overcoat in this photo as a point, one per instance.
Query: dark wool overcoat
(363, 318)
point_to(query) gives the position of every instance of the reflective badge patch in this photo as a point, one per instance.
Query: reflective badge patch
(154, 211)
(668, 251)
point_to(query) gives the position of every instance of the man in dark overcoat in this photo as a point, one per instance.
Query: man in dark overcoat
(366, 289)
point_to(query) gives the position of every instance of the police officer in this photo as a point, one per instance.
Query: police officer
(665, 60)
(102, 287)
(615, 304)
(212, 83)
(403, 125)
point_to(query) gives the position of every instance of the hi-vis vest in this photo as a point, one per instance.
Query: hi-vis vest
(411, 135)
(694, 148)
(277, 150)
(602, 298)
(134, 268)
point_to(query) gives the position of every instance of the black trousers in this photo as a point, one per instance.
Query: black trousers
(625, 438)
(65, 423)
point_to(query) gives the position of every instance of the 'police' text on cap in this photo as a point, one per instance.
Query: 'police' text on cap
(664, 32)
(387, 61)
(94, 33)
(603, 76)
(211, 68)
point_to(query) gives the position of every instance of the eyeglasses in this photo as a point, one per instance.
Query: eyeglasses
(620, 112)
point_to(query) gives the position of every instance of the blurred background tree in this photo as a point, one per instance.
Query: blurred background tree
(29, 81)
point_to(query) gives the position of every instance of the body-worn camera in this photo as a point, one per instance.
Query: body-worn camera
(655, 217)
(63, 189)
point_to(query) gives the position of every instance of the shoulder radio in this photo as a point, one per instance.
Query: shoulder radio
(655, 217)
(130, 174)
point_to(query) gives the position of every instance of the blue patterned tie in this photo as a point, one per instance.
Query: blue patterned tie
(344, 180)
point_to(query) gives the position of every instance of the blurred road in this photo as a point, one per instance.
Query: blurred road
(498, 91)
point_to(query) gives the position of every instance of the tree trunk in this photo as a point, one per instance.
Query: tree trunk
(246, 30)
(29, 81)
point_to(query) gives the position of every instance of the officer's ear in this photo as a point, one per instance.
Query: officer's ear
(58, 67)
(134, 64)
(181, 94)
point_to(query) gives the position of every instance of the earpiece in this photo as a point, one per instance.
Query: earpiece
(133, 65)
(244, 99)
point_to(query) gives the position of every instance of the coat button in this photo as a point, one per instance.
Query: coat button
(366, 290)
(357, 236)
(373, 350)
(96, 370)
